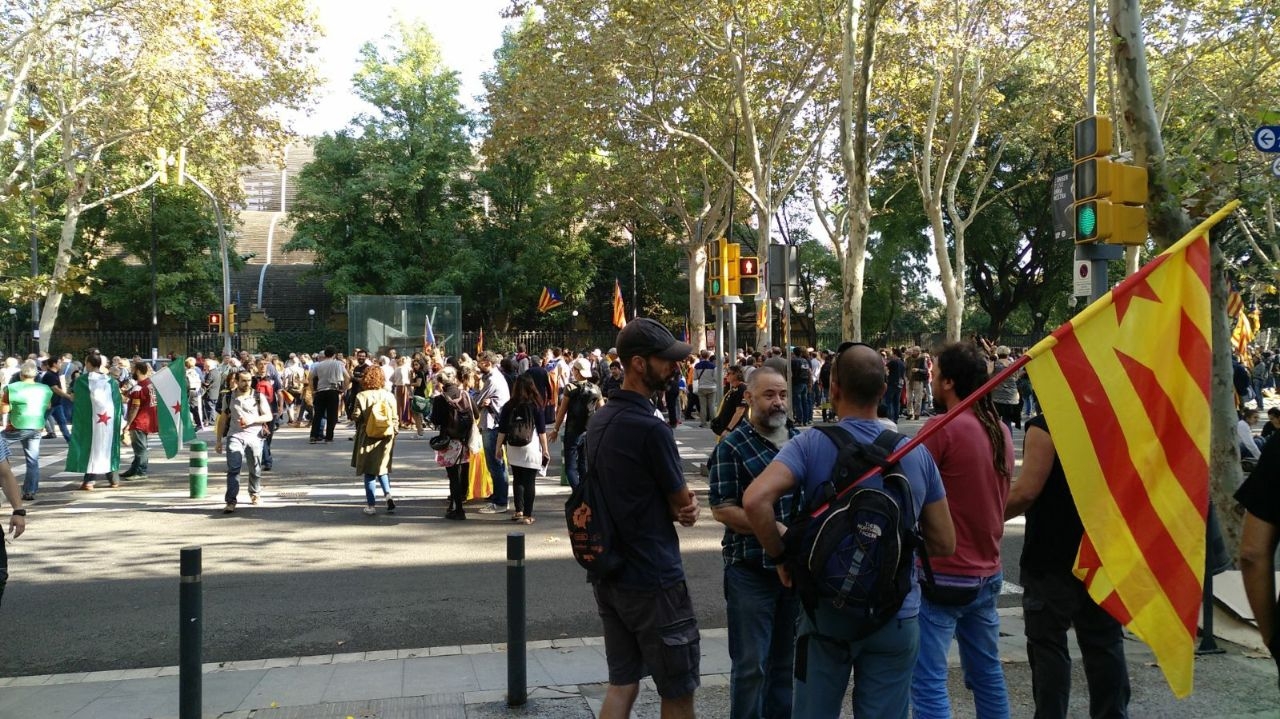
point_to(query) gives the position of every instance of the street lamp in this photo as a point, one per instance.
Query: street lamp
(312, 315)
(13, 330)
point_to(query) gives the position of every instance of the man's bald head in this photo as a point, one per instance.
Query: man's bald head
(860, 375)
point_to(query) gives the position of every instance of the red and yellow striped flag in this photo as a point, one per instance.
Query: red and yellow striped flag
(1140, 478)
(619, 310)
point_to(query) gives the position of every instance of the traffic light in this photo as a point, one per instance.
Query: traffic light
(231, 318)
(749, 276)
(731, 255)
(215, 321)
(182, 165)
(1109, 196)
(162, 165)
(715, 271)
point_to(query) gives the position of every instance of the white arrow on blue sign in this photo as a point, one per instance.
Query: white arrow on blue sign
(1267, 138)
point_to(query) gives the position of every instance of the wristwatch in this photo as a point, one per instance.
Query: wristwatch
(19, 512)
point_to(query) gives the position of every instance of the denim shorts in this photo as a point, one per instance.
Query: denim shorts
(651, 632)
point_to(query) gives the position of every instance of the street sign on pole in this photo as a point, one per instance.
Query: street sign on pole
(1275, 167)
(1081, 282)
(1267, 138)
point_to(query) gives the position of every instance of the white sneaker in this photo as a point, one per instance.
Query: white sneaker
(492, 508)
(370, 511)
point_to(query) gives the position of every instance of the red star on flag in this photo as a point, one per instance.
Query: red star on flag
(177, 407)
(104, 418)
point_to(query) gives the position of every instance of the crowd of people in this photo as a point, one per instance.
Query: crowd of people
(490, 421)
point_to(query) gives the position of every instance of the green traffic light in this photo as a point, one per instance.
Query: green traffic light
(715, 287)
(1086, 221)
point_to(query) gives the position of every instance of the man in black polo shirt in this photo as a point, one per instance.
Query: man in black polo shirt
(1260, 496)
(649, 622)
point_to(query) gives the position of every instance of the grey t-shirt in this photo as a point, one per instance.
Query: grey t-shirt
(328, 374)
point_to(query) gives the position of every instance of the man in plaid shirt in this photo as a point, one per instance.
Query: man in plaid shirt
(762, 612)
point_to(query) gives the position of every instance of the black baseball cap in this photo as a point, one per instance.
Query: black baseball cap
(645, 337)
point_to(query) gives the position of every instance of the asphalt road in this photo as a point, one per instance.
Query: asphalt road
(94, 582)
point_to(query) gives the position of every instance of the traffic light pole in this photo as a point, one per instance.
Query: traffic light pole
(1098, 255)
(226, 264)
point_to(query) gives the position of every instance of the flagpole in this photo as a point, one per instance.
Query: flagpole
(1041, 347)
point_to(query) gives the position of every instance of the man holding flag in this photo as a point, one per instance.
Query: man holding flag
(173, 414)
(141, 422)
(96, 421)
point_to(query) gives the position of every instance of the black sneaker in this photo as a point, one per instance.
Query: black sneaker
(391, 505)
(128, 473)
(28, 497)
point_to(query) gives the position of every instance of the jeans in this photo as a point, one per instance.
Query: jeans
(893, 402)
(1030, 407)
(976, 627)
(60, 413)
(524, 480)
(800, 403)
(326, 414)
(572, 455)
(241, 448)
(1051, 603)
(497, 467)
(141, 453)
(382, 480)
(4, 569)
(881, 666)
(30, 439)
(762, 631)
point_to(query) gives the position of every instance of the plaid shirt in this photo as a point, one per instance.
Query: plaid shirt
(739, 458)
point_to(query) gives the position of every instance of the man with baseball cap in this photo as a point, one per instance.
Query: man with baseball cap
(649, 622)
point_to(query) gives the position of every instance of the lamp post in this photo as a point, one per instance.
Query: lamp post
(312, 315)
(13, 330)
(222, 250)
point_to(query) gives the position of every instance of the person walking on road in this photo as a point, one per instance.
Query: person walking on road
(522, 432)
(581, 399)
(377, 424)
(242, 420)
(329, 380)
(494, 393)
(1053, 598)
(453, 414)
(649, 623)
(142, 421)
(26, 402)
(974, 453)
(761, 611)
(17, 519)
(97, 417)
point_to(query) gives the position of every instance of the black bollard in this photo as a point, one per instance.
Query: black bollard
(517, 691)
(190, 633)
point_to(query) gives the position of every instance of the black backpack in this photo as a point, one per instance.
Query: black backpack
(521, 427)
(801, 373)
(590, 523)
(854, 546)
(583, 399)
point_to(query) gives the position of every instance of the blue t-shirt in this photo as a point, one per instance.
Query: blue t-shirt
(811, 456)
(638, 466)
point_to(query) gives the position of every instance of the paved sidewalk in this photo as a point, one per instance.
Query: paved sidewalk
(566, 679)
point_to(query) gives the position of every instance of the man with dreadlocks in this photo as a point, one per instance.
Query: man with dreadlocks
(974, 453)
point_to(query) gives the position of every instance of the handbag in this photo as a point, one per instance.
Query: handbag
(440, 442)
(421, 404)
(475, 443)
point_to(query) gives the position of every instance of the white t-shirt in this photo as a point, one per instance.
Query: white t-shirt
(1247, 445)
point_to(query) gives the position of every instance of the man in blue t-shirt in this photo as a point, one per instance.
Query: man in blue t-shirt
(649, 622)
(884, 659)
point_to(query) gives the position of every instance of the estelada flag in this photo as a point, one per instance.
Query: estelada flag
(1140, 479)
(428, 337)
(480, 343)
(549, 300)
(619, 310)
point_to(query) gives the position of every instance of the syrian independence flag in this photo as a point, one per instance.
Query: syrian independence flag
(96, 418)
(173, 407)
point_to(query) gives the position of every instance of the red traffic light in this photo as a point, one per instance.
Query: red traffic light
(215, 318)
(748, 267)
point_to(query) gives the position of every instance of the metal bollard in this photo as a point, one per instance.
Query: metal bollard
(1214, 549)
(517, 691)
(198, 470)
(190, 632)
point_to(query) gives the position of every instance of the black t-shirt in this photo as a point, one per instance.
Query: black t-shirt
(800, 371)
(1054, 530)
(1260, 493)
(732, 401)
(638, 465)
(896, 371)
(49, 378)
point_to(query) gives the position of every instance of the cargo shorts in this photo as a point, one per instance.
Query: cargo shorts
(651, 633)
